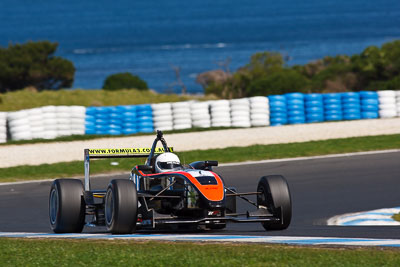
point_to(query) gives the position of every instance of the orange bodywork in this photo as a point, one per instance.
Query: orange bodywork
(211, 192)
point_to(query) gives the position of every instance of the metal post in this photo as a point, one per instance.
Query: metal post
(86, 162)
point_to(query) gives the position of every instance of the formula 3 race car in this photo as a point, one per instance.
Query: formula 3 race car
(163, 194)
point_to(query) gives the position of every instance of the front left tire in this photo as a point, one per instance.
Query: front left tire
(275, 196)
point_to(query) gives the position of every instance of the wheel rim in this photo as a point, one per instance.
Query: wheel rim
(54, 206)
(109, 207)
(265, 199)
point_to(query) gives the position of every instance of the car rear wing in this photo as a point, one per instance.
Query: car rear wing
(105, 153)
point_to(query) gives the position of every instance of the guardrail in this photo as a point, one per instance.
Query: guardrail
(50, 122)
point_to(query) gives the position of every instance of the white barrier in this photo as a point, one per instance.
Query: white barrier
(387, 104)
(3, 127)
(49, 122)
(220, 113)
(19, 126)
(200, 114)
(46, 122)
(259, 111)
(181, 115)
(77, 122)
(162, 116)
(240, 112)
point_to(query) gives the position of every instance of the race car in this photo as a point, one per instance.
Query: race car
(163, 194)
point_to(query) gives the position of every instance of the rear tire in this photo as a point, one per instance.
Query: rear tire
(276, 198)
(121, 204)
(67, 206)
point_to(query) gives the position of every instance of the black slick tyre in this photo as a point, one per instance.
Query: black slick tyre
(121, 205)
(67, 206)
(275, 196)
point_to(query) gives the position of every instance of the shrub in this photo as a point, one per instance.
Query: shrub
(279, 82)
(266, 73)
(393, 84)
(124, 81)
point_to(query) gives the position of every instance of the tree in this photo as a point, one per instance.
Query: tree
(124, 81)
(263, 63)
(34, 64)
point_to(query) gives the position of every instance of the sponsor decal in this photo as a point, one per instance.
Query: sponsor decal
(214, 213)
(198, 173)
(126, 151)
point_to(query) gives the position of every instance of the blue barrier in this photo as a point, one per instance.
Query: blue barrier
(278, 120)
(128, 131)
(313, 97)
(314, 108)
(333, 117)
(368, 95)
(332, 107)
(369, 115)
(369, 105)
(296, 119)
(295, 107)
(278, 110)
(117, 120)
(294, 96)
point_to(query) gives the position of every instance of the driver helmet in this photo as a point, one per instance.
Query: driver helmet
(167, 162)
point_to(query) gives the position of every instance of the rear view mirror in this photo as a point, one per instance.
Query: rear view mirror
(144, 168)
(209, 163)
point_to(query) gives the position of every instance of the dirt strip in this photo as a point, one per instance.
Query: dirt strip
(36, 154)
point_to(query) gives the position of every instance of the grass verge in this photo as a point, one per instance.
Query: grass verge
(24, 99)
(232, 154)
(91, 137)
(396, 217)
(17, 252)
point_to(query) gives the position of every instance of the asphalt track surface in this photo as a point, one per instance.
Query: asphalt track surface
(320, 188)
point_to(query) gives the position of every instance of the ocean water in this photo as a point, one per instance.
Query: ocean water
(149, 38)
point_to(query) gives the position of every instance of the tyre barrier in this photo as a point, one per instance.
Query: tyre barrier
(398, 103)
(50, 122)
(118, 120)
(351, 106)
(277, 110)
(240, 112)
(3, 127)
(369, 103)
(220, 113)
(200, 114)
(144, 118)
(259, 111)
(295, 108)
(162, 116)
(314, 108)
(181, 114)
(47, 122)
(387, 103)
(332, 107)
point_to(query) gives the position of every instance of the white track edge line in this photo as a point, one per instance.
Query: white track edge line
(290, 240)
